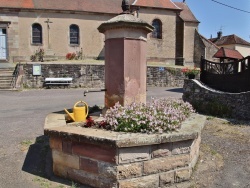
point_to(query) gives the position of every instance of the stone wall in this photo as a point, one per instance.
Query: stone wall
(106, 159)
(213, 102)
(203, 47)
(189, 42)
(92, 75)
(161, 50)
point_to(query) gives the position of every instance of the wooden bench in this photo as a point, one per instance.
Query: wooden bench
(58, 81)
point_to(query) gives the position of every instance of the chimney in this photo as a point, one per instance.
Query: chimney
(219, 35)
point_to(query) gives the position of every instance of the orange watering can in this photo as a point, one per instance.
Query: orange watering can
(80, 111)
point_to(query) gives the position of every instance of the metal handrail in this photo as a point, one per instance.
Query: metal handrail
(15, 75)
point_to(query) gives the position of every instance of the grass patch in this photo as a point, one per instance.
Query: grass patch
(26, 144)
(44, 183)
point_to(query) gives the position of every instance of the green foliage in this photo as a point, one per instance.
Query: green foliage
(44, 183)
(189, 71)
(74, 185)
(172, 71)
(38, 56)
(213, 108)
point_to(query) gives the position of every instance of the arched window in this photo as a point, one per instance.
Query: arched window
(157, 33)
(74, 34)
(37, 34)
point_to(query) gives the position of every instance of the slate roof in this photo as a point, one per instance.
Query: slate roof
(228, 53)
(186, 14)
(230, 39)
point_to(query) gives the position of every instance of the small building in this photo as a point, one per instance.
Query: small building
(232, 42)
(227, 55)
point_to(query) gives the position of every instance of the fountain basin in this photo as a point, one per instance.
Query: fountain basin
(107, 159)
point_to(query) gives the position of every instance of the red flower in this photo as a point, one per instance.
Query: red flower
(89, 122)
(103, 124)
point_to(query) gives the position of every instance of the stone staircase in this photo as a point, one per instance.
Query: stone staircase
(6, 77)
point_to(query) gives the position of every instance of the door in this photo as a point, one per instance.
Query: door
(3, 46)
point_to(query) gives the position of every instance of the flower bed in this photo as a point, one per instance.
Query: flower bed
(105, 159)
(158, 116)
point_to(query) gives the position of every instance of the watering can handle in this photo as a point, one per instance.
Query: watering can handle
(86, 106)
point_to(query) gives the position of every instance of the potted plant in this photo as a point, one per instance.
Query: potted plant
(190, 72)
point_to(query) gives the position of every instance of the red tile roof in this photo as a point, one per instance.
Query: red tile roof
(102, 6)
(230, 39)
(228, 53)
(186, 14)
(164, 4)
(17, 4)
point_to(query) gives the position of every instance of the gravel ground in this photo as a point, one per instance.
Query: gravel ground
(25, 156)
(225, 155)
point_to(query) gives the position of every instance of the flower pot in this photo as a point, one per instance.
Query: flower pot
(191, 76)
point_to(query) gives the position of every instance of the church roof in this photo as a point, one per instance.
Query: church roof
(100, 6)
(186, 14)
(163, 4)
(228, 53)
(230, 39)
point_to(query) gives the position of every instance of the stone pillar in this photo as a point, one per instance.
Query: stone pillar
(125, 59)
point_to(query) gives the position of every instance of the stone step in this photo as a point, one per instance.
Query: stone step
(3, 77)
(5, 82)
(6, 87)
(6, 71)
(6, 77)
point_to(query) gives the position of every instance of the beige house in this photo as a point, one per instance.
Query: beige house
(232, 42)
(60, 26)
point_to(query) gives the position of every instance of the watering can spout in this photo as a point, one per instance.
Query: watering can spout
(80, 112)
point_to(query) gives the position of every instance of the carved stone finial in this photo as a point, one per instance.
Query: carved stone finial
(125, 5)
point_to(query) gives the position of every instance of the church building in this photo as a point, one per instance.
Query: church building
(58, 27)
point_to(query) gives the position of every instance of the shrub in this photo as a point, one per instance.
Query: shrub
(160, 115)
(70, 56)
(38, 56)
(188, 71)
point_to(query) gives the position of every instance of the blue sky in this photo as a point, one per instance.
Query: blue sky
(214, 16)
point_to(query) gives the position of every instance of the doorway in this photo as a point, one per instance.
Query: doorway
(3, 44)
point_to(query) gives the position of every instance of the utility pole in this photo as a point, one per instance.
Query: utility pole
(48, 27)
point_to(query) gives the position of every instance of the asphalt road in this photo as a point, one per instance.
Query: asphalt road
(22, 116)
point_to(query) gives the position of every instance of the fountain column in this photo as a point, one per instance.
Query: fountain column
(125, 59)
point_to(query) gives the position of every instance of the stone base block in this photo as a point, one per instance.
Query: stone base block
(101, 159)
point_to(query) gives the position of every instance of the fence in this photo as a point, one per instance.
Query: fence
(231, 77)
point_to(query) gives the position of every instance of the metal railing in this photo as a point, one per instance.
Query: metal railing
(15, 75)
(229, 77)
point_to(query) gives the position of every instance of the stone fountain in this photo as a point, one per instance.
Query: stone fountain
(106, 159)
